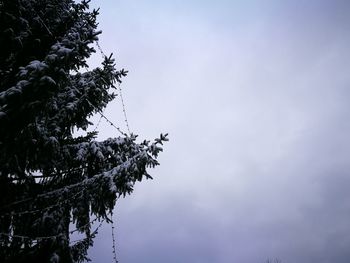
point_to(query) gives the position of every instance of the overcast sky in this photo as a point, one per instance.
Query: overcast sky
(255, 98)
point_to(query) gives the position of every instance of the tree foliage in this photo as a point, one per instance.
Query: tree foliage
(53, 183)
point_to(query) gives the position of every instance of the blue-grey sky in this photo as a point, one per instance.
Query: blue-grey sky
(255, 97)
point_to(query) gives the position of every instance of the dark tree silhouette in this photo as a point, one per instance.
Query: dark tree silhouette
(53, 183)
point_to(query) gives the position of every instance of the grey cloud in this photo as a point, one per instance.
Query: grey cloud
(258, 162)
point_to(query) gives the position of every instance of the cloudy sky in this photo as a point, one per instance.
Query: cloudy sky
(255, 98)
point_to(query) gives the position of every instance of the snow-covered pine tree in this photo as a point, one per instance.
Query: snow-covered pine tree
(50, 181)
